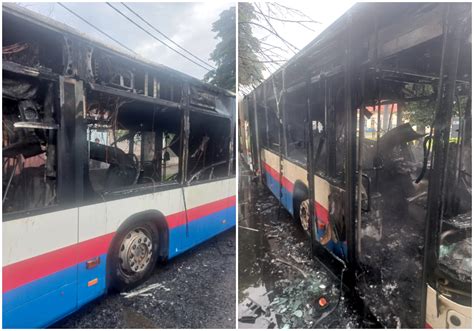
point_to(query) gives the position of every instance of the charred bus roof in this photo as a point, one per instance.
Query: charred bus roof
(387, 35)
(55, 49)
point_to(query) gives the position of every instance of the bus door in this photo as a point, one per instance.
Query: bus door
(40, 228)
(209, 193)
(391, 192)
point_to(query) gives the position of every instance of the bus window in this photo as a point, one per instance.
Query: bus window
(131, 144)
(29, 146)
(295, 125)
(208, 147)
(274, 124)
(259, 103)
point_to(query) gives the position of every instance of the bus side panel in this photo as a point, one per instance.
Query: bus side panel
(169, 202)
(446, 308)
(39, 269)
(93, 230)
(211, 210)
(291, 174)
(322, 191)
(271, 166)
(46, 308)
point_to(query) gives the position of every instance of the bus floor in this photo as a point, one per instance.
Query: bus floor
(280, 285)
(194, 290)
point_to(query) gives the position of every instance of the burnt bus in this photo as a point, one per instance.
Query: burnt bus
(364, 136)
(110, 164)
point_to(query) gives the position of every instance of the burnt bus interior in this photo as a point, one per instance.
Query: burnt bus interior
(83, 123)
(379, 105)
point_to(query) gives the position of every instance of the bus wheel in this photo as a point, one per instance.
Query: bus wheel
(304, 215)
(134, 256)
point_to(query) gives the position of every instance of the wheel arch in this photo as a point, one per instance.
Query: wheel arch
(155, 218)
(300, 193)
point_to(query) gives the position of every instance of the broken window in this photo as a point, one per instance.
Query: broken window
(29, 145)
(209, 140)
(319, 129)
(296, 105)
(131, 143)
(261, 116)
(273, 125)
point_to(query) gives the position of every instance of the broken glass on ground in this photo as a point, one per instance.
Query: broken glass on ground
(279, 282)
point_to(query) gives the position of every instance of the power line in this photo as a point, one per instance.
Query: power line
(95, 27)
(164, 35)
(154, 37)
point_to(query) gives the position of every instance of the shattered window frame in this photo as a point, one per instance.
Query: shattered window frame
(79, 67)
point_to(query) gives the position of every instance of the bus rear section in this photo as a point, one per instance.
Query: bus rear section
(372, 122)
(110, 164)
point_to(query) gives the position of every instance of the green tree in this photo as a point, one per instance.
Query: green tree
(224, 53)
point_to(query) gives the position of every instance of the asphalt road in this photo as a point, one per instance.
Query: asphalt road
(194, 290)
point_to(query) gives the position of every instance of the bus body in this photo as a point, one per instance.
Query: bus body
(358, 138)
(110, 164)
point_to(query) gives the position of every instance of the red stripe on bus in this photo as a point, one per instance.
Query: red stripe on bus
(26, 271)
(178, 219)
(94, 247)
(287, 184)
(210, 208)
(321, 212)
(427, 326)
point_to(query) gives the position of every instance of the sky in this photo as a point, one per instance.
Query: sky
(188, 24)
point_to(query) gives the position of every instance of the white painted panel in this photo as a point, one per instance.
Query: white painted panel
(198, 195)
(271, 159)
(291, 171)
(294, 172)
(32, 236)
(321, 191)
(92, 221)
(166, 202)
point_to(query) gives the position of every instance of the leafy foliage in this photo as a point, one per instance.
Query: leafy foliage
(250, 68)
(224, 53)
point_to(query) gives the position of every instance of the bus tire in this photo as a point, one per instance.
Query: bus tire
(304, 216)
(300, 200)
(133, 255)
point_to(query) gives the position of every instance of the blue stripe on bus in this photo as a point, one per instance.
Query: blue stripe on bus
(339, 248)
(287, 196)
(48, 299)
(35, 304)
(200, 230)
(88, 293)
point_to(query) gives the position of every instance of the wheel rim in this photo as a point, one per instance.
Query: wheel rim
(304, 215)
(136, 251)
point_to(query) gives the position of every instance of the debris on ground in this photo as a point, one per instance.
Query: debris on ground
(280, 284)
(142, 292)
